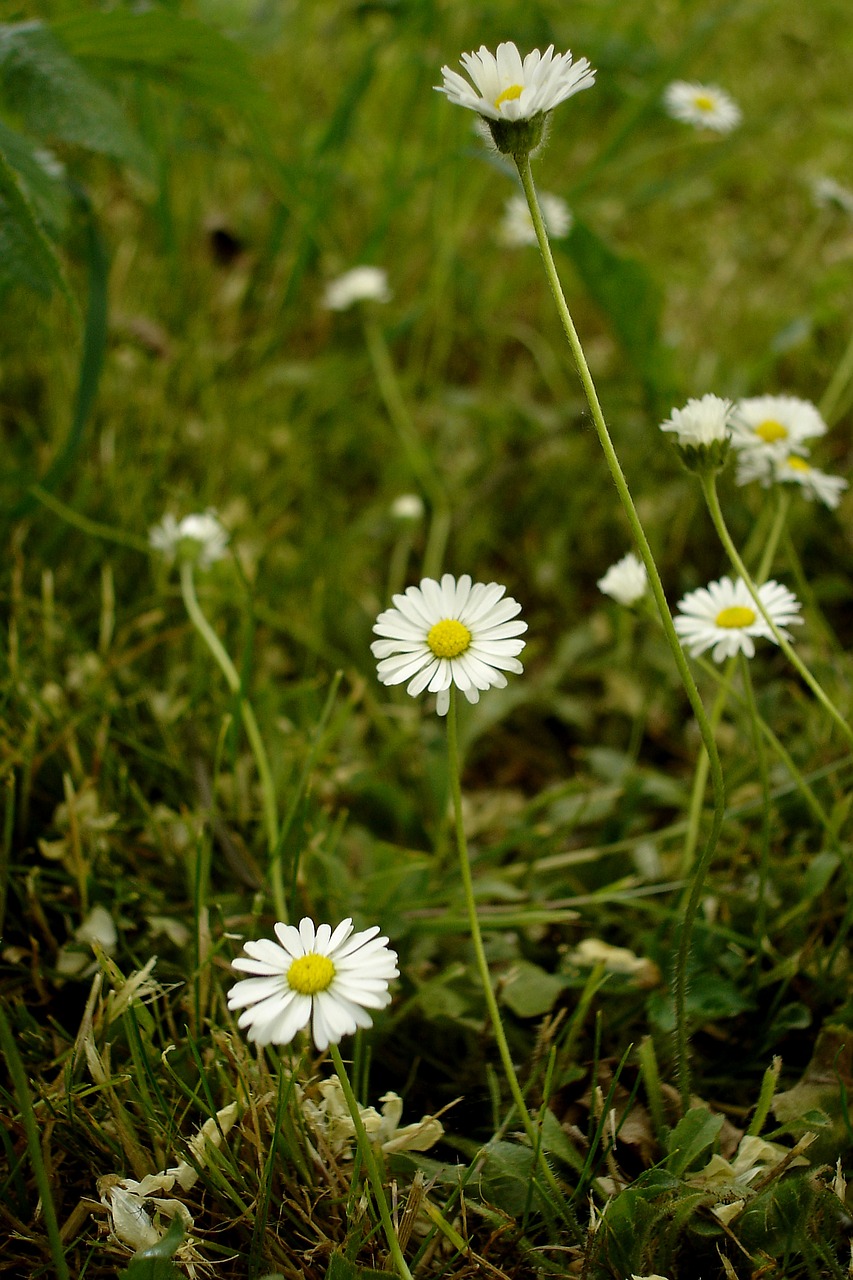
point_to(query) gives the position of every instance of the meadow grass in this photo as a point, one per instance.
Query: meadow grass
(136, 823)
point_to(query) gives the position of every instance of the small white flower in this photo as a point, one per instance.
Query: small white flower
(755, 464)
(452, 632)
(775, 425)
(200, 538)
(626, 580)
(326, 978)
(516, 228)
(361, 284)
(701, 422)
(724, 617)
(408, 506)
(828, 194)
(702, 105)
(510, 89)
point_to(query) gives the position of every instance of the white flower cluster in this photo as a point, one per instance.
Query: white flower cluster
(769, 434)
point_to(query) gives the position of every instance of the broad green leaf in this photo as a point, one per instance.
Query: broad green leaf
(694, 1134)
(41, 176)
(530, 991)
(627, 294)
(26, 254)
(55, 98)
(159, 43)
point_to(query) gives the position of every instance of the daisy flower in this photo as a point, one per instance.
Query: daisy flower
(702, 105)
(701, 422)
(775, 424)
(448, 633)
(361, 284)
(508, 88)
(829, 194)
(516, 228)
(200, 538)
(724, 617)
(625, 581)
(756, 464)
(315, 975)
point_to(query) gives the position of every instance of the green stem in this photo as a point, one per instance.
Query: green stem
(19, 1080)
(764, 779)
(366, 1149)
(783, 503)
(700, 777)
(838, 384)
(614, 466)
(530, 1128)
(253, 733)
(418, 457)
(709, 488)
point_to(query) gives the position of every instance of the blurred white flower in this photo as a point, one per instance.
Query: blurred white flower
(200, 538)
(626, 580)
(724, 617)
(701, 423)
(828, 194)
(776, 425)
(329, 979)
(361, 284)
(702, 105)
(449, 633)
(509, 89)
(516, 227)
(767, 468)
(331, 1117)
(408, 506)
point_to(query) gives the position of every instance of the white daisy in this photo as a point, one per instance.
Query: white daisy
(829, 194)
(452, 632)
(626, 580)
(200, 538)
(701, 422)
(408, 506)
(326, 978)
(815, 484)
(516, 228)
(510, 89)
(724, 617)
(361, 284)
(776, 425)
(702, 105)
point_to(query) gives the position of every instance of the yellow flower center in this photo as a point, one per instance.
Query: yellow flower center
(310, 974)
(770, 431)
(448, 638)
(737, 615)
(509, 95)
(798, 464)
(703, 102)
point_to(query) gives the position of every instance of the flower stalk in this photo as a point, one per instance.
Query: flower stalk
(701, 868)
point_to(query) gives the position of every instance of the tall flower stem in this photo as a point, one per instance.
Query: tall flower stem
(615, 468)
(374, 1176)
(709, 489)
(253, 733)
(417, 456)
(764, 780)
(530, 1129)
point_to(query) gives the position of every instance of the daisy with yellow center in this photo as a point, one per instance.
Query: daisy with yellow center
(452, 632)
(723, 617)
(315, 975)
(508, 91)
(702, 105)
(775, 425)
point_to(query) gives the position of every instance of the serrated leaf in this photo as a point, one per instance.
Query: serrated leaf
(694, 1134)
(26, 254)
(161, 44)
(55, 98)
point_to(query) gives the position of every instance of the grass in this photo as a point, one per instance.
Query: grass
(696, 264)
